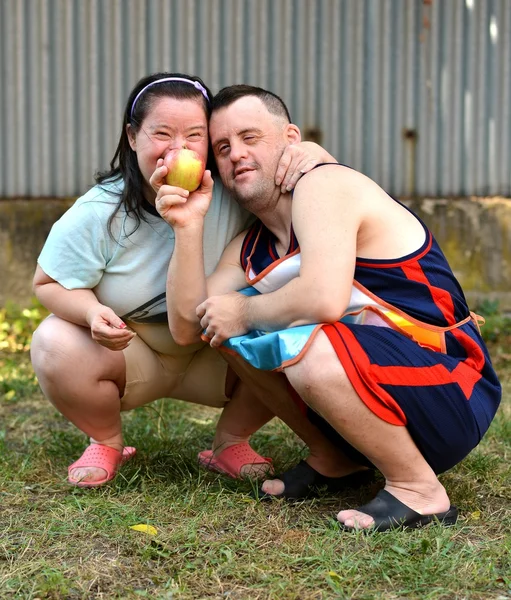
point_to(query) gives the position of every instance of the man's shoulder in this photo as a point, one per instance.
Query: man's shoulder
(336, 175)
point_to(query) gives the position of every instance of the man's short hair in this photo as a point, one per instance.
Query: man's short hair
(228, 95)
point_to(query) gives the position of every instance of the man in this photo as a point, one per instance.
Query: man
(398, 370)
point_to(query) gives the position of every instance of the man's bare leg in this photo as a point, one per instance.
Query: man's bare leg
(322, 382)
(83, 380)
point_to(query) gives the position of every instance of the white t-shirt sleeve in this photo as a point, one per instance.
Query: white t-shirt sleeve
(75, 253)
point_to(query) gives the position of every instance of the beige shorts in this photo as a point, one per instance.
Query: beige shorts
(197, 376)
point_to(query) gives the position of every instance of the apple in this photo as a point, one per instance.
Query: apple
(185, 168)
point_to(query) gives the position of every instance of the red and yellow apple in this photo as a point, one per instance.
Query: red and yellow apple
(185, 168)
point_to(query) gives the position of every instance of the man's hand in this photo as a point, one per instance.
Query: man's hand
(297, 160)
(177, 206)
(107, 329)
(223, 317)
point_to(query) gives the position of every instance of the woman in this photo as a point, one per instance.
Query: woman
(102, 273)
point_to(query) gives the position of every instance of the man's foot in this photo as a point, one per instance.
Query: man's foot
(99, 463)
(237, 461)
(303, 481)
(397, 508)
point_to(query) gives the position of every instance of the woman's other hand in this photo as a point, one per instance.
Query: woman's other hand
(107, 329)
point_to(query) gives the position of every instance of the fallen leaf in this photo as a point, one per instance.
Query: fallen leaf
(143, 528)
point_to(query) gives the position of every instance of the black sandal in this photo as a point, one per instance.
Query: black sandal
(302, 481)
(390, 513)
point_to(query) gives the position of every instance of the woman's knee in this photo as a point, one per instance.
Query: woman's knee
(57, 344)
(46, 341)
(65, 357)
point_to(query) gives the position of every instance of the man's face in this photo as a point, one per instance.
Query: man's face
(248, 142)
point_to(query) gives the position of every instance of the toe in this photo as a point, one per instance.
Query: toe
(87, 474)
(273, 487)
(355, 519)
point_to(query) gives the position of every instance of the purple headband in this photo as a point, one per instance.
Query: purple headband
(195, 84)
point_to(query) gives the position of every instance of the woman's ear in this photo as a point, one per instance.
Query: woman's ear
(131, 137)
(293, 134)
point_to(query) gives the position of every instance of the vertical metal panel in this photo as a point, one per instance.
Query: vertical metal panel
(415, 94)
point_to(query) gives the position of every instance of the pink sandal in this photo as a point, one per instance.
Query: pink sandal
(99, 456)
(231, 460)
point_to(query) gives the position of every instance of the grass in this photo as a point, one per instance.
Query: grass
(213, 540)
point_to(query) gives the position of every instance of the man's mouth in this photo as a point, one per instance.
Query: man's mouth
(242, 171)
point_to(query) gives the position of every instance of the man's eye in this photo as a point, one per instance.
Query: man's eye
(223, 149)
(249, 138)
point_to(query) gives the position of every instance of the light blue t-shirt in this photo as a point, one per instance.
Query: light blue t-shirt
(128, 273)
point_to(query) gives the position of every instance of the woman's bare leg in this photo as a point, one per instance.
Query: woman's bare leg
(83, 380)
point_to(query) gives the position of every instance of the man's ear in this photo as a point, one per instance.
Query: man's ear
(131, 137)
(293, 134)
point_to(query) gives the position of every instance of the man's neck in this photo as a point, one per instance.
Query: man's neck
(278, 219)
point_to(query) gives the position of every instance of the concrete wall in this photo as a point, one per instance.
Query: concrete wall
(24, 225)
(474, 233)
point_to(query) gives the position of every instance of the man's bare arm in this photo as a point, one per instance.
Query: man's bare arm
(326, 221)
(328, 240)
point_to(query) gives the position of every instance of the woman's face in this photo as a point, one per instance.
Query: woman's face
(170, 124)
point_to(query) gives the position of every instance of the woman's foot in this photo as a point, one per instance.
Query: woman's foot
(240, 462)
(93, 474)
(237, 460)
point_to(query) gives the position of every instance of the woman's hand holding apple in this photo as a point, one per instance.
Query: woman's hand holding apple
(179, 207)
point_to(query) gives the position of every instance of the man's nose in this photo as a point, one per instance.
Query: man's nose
(238, 151)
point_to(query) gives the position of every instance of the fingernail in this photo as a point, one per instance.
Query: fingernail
(122, 326)
(289, 188)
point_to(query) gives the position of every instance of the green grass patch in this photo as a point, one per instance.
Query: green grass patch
(212, 539)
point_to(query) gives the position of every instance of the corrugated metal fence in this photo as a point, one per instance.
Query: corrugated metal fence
(414, 93)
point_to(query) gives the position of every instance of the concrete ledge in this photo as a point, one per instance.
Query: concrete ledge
(24, 226)
(474, 233)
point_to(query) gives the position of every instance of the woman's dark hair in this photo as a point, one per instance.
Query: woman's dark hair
(124, 164)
